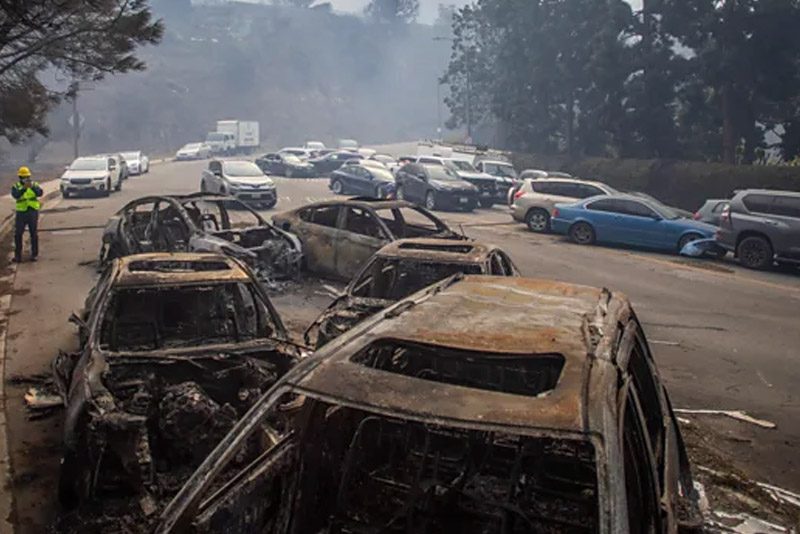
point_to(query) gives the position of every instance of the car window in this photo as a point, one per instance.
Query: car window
(138, 219)
(787, 207)
(643, 505)
(720, 207)
(606, 204)
(759, 203)
(647, 388)
(432, 161)
(325, 215)
(496, 267)
(362, 222)
(586, 191)
(636, 209)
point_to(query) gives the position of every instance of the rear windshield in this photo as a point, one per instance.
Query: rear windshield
(151, 318)
(363, 472)
(394, 279)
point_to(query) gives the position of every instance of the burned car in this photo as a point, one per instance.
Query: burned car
(202, 222)
(339, 236)
(400, 269)
(479, 405)
(175, 349)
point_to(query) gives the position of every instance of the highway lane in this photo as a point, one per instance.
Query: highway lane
(724, 337)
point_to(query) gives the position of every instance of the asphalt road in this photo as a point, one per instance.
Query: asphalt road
(724, 337)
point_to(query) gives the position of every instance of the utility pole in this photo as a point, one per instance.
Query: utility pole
(469, 96)
(76, 123)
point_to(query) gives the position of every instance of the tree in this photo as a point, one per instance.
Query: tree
(80, 39)
(392, 11)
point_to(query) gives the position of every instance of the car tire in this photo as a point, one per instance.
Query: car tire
(582, 233)
(430, 200)
(688, 238)
(755, 252)
(119, 186)
(486, 202)
(107, 190)
(337, 187)
(538, 220)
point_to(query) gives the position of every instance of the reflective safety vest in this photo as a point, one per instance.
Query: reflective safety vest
(28, 199)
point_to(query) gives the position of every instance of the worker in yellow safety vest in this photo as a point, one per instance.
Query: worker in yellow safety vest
(26, 193)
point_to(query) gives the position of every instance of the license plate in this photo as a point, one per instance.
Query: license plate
(255, 196)
(463, 200)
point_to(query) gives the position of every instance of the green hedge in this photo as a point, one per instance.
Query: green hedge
(686, 184)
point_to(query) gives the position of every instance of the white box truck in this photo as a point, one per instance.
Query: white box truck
(245, 134)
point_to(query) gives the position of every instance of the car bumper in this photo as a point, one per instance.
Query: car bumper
(726, 238)
(455, 200)
(302, 172)
(78, 188)
(263, 196)
(560, 226)
(187, 157)
(518, 213)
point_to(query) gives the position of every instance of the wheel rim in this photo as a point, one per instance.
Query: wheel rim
(337, 187)
(753, 253)
(430, 202)
(582, 233)
(537, 222)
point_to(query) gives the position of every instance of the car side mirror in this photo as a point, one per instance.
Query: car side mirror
(77, 321)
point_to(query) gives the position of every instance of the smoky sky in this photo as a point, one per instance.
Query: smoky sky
(427, 8)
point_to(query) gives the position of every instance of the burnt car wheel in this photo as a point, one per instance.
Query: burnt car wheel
(755, 252)
(430, 200)
(74, 481)
(337, 187)
(688, 238)
(538, 220)
(582, 233)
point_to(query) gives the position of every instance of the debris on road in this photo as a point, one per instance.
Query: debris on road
(41, 400)
(741, 523)
(734, 414)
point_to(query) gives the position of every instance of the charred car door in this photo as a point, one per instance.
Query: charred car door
(318, 231)
(362, 235)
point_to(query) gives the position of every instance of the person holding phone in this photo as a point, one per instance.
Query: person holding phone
(26, 193)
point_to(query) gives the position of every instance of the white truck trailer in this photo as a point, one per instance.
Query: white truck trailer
(245, 134)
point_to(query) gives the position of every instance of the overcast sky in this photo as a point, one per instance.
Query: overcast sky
(427, 8)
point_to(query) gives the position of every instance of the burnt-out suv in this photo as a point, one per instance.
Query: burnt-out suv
(479, 405)
(174, 349)
(400, 269)
(762, 226)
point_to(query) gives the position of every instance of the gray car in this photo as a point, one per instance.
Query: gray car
(762, 226)
(711, 211)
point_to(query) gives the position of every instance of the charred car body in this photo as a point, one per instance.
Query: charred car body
(400, 269)
(442, 414)
(202, 222)
(174, 349)
(340, 236)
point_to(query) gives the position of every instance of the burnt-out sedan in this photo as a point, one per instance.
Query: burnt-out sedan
(400, 269)
(340, 236)
(480, 405)
(202, 222)
(174, 349)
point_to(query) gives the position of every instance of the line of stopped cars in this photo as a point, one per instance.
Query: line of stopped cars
(101, 174)
(415, 404)
(760, 227)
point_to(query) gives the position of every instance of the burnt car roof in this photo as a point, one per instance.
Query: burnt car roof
(362, 202)
(421, 248)
(177, 268)
(482, 314)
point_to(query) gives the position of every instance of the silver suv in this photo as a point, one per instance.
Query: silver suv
(534, 202)
(762, 226)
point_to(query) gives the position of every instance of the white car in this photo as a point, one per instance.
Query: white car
(92, 175)
(193, 151)
(240, 179)
(302, 153)
(137, 162)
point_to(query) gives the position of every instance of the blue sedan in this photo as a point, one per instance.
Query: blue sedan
(627, 220)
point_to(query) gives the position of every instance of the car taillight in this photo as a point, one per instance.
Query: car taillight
(518, 194)
(696, 216)
(555, 213)
(726, 215)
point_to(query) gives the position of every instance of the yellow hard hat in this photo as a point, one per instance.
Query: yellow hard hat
(24, 172)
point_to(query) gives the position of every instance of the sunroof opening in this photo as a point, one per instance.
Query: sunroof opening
(171, 266)
(436, 247)
(519, 374)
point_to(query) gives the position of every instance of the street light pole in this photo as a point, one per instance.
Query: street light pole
(76, 124)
